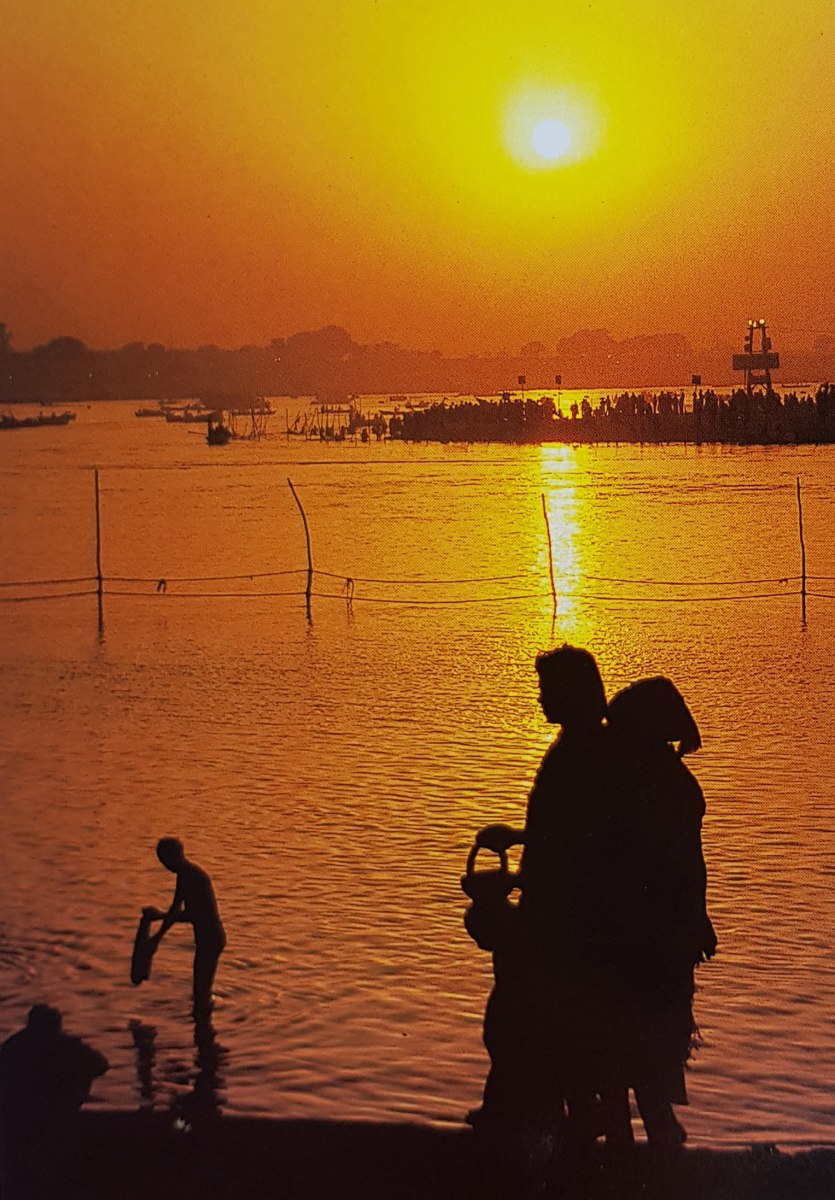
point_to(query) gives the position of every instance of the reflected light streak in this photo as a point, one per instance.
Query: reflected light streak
(565, 508)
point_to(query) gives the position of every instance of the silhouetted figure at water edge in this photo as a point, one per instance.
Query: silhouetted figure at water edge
(662, 927)
(538, 948)
(194, 903)
(45, 1077)
(594, 970)
(566, 893)
(493, 921)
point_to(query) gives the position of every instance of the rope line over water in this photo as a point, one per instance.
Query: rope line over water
(154, 579)
(198, 578)
(205, 595)
(47, 596)
(414, 602)
(419, 582)
(47, 582)
(164, 586)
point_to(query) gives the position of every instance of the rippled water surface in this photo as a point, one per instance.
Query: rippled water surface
(330, 775)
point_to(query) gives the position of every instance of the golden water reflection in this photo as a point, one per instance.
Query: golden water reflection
(331, 775)
(566, 511)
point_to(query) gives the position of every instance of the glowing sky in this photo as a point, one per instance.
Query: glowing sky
(444, 175)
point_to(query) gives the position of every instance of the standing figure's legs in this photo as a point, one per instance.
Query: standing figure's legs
(662, 1127)
(206, 957)
(616, 1119)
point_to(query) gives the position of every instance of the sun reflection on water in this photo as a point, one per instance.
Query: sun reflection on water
(565, 507)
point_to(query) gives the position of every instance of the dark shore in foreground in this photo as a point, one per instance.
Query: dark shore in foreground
(138, 1156)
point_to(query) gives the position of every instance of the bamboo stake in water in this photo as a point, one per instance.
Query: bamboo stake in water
(309, 588)
(802, 555)
(550, 556)
(99, 578)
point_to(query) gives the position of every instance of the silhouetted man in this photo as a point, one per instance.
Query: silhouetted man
(194, 902)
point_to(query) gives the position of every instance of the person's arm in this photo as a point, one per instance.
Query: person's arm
(175, 912)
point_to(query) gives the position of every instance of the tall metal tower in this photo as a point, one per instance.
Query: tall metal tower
(757, 364)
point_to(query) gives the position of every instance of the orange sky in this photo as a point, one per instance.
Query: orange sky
(191, 172)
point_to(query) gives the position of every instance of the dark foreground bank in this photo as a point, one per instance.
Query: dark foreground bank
(139, 1156)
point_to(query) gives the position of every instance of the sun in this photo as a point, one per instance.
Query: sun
(550, 138)
(549, 127)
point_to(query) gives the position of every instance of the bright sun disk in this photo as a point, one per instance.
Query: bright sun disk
(548, 128)
(550, 138)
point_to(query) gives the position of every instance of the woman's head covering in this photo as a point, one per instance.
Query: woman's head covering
(654, 710)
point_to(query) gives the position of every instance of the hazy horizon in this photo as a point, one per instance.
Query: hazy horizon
(732, 341)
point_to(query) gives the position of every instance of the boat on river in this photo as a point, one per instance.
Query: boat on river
(190, 414)
(7, 421)
(159, 411)
(242, 403)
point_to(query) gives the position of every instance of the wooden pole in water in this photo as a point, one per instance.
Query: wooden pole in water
(802, 555)
(99, 578)
(309, 588)
(550, 556)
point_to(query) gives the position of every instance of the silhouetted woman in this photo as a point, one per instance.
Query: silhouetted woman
(660, 927)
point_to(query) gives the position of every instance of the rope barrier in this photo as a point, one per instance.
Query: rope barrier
(198, 578)
(410, 602)
(206, 595)
(572, 595)
(592, 578)
(562, 596)
(47, 582)
(47, 596)
(695, 582)
(419, 582)
(430, 603)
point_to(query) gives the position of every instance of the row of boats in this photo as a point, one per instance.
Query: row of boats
(221, 414)
(194, 412)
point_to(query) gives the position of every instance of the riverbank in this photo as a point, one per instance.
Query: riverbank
(138, 1156)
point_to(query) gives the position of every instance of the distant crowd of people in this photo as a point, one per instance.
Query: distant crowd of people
(761, 417)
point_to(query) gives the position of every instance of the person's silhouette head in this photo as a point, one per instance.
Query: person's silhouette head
(170, 853)
(570, 688)
(653, 710)
(44, 1021)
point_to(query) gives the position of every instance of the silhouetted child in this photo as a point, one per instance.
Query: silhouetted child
(521, 1087)
(194, 903)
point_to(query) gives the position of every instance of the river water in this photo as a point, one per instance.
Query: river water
(330, 774)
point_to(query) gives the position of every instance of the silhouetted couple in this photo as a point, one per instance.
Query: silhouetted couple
(594, 969)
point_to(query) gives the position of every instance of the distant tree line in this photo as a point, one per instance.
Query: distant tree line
(328, 363)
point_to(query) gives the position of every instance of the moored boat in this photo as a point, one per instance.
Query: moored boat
(7, 421)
